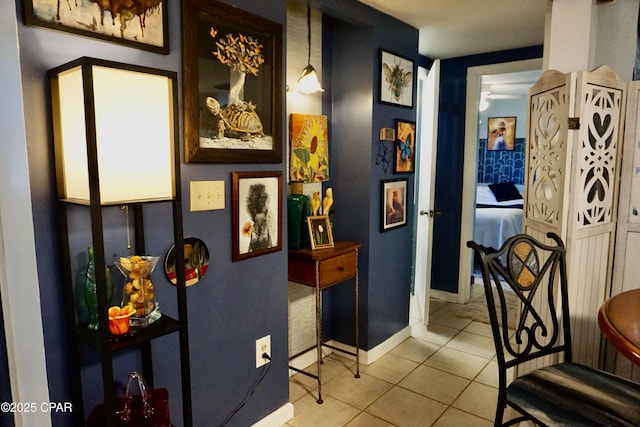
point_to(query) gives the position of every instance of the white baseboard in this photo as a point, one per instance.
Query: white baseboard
(367, 357)
(278, 417)
(444, 295)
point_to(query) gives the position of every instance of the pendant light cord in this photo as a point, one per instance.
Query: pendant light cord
(309, 34)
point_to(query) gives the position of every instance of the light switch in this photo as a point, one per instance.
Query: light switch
(206, 195)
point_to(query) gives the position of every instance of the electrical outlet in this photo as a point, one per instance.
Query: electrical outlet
(263, 345)
(206, 195)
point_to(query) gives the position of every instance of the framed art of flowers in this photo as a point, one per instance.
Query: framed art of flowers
(405, 147)
(320, 232)
(232, 85)
(309, 148)
(257, 213)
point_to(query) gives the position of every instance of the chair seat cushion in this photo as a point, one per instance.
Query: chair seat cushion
(571, 394)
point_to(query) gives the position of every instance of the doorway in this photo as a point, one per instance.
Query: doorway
(474, 89)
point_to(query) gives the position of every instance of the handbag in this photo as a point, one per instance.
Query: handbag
(150, 408)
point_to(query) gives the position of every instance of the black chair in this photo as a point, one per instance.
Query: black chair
(562, 392)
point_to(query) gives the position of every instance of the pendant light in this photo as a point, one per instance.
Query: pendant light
(308, 81)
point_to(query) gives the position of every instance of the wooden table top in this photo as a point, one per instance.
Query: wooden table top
(619, 320)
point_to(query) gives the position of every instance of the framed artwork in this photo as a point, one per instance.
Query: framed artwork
(309, 148)
(320, 232)
(394, 204)
(143, 25)
(396, 80)
(404, 158)
(232, 85)
(501, 133)
(257, 213)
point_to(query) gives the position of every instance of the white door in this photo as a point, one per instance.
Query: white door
(425, 182)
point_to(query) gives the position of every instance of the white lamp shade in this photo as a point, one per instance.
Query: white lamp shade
(308, 81)
(132, 123)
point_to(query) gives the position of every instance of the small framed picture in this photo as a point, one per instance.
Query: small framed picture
(396, 80)
(320, 232)
(257, 213)
(394, 204)
(501, 133)
(405, 147)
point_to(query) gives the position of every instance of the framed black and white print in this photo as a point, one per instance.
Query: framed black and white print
(257, 213)
(397, 78)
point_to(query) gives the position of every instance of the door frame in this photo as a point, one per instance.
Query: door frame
(474, 85)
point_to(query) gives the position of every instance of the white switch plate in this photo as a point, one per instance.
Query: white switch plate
(206, 195)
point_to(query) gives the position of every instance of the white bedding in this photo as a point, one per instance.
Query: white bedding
(495, 225)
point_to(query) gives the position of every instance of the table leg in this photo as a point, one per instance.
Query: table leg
(357, 288)
(319, 330)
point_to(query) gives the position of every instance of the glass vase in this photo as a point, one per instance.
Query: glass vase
(139, 291)
(89, 291)
(297, 213)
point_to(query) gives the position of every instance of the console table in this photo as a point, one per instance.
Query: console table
(321, 269)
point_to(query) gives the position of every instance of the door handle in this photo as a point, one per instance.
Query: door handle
(431, 213)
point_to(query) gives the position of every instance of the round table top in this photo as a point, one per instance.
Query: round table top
(619, 320)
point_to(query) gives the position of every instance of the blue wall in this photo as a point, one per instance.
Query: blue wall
(235, 303)
(450, 160)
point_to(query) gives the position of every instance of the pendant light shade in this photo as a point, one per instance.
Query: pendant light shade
(308, 82)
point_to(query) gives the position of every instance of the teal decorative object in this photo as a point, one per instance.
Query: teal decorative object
(297, 213)
(90, 294)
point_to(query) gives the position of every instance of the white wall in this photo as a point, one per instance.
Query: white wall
(18, 278)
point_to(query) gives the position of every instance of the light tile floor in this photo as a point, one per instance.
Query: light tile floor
(444, 375)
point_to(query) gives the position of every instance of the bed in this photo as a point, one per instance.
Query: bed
(496, 220)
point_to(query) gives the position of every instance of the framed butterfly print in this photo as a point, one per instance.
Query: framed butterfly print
(393, 196)
(404, 158)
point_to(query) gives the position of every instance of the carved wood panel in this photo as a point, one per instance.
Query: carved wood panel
(547, 155)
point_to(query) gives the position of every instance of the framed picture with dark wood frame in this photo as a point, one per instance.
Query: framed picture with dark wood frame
(397, 77)
(145, 29)
(404, 157)
(257, 213)
(232, 85)
(501, 133)
(394, 204)
(320, 232)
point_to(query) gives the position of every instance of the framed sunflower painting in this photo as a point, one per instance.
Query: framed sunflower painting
(405, 147)
(309, 140)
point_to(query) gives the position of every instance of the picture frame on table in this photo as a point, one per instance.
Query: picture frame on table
(397, 77)
(146, 29)
(404, 156)
(256, 213)
(320, 232)
(232, 101)
(393, 197)
(501, 133)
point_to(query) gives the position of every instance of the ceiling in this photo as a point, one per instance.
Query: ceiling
(452, 28)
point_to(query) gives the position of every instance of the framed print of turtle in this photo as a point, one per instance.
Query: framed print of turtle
(396, 80)
(231, 83)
